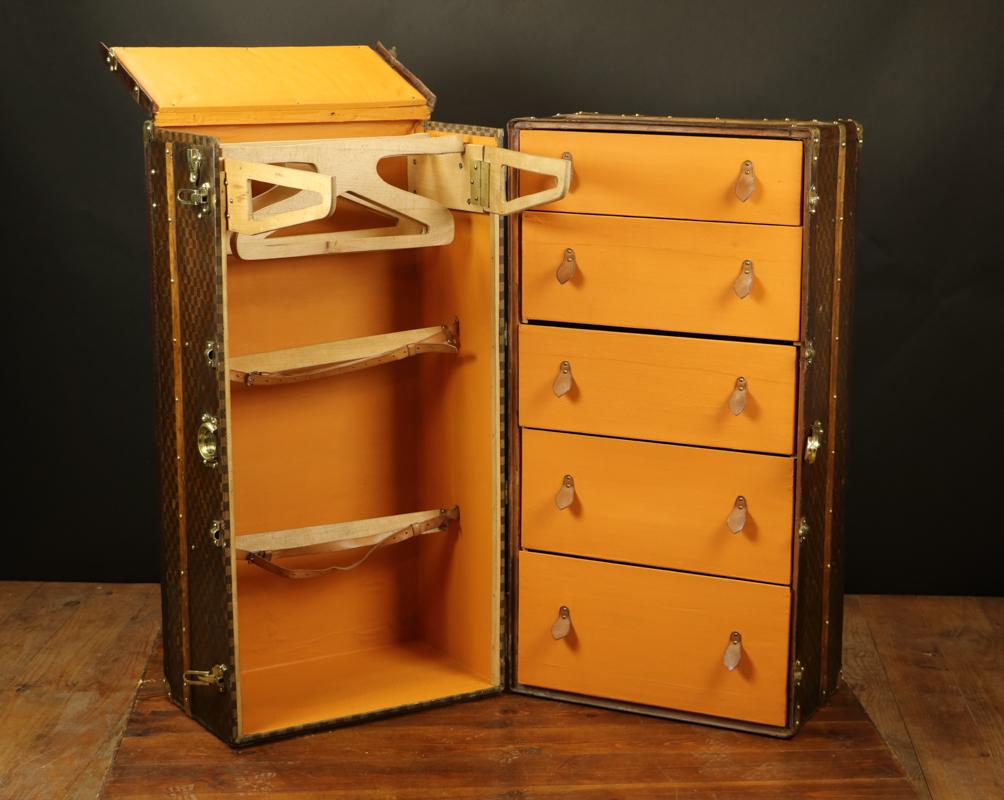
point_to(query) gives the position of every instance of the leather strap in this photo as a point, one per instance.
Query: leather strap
(443, 341)
(434, 524)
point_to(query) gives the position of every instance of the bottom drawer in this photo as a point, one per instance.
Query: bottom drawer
(654, 637)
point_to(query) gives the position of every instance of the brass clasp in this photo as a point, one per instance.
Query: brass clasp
(814, 442)
(217, 676)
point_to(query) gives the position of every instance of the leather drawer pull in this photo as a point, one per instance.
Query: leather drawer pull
(563, 381)
(734, 651)
(562, 625)
(567, 268)
(746, 182)
(737, 517)
(438, 523)
(566, 494)
(743, 285)
(737, 400)
(444, 340)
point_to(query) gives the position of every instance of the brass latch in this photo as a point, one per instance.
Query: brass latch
(217, 533)
(196, 195)
(814, 442)
(211, 352)
(217, 676)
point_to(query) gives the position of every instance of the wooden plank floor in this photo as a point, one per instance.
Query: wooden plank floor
(70, 659)
(927, 670)
(506, 747)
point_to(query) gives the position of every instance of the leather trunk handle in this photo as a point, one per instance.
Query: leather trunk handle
(440, 522)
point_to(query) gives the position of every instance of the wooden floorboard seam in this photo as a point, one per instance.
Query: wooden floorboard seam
(895, 701)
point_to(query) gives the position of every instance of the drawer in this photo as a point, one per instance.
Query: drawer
(654, 637)
(658, 504)
(663, 388)
(671, 175)
(672, 275)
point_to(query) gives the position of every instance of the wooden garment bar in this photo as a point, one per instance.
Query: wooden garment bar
(325, 360)
(261, 548)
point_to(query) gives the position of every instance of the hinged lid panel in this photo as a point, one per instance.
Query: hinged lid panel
(188, 86)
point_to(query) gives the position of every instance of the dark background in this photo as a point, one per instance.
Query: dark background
(925, 78)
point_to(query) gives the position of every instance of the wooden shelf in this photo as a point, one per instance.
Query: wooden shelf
(327, 359)
(262, 549)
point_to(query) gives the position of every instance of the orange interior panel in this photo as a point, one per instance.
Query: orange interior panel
(672, 275)
(658, 504)
(653, 636)
(419, 621)
(672, 175)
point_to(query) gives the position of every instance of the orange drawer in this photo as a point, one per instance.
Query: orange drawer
(654, 637)
(671, 175)
(664, 388)
(658, 504)
(670, 275)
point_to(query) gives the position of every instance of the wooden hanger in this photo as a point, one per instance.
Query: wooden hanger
(344, 168)
(307, 177)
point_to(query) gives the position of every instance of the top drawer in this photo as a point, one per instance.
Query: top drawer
(674, 176)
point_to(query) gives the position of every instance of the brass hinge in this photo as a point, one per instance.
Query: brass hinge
(803, 530)
(481, 188)
(813, 199)
(476, 181)
(809, 352)
(112, 60)
(798, 672)
(217, 676)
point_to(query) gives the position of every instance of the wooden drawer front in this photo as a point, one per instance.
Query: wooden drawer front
(664, 388)
(670, 175)
(663, 274)
(654, 637)
(658, 504)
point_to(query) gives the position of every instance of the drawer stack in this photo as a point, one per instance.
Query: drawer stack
(659, 317)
